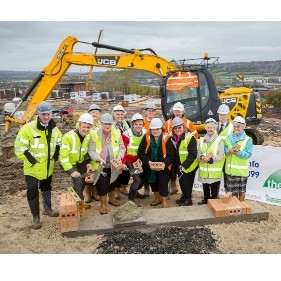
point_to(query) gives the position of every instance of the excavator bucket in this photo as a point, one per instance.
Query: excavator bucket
(7, 153)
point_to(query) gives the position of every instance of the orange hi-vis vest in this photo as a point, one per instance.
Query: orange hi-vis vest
(165, 138)
(181, 80)
(146, 123)
(168, 127)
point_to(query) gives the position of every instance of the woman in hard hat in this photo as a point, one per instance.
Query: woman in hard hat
(238, 149)
(106, 144)
(132, 138)
(211, 161)
(74, 156)
(122, 125)
(178, 111)
(157, 146)
(186, 162)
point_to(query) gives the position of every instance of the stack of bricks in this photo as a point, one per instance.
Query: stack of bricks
(117, 163)
(69, 214)
(157, 166)
(228, 205)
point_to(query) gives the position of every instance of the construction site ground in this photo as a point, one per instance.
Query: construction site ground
(238, 237)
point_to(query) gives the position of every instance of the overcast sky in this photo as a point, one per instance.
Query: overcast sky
(31, 45)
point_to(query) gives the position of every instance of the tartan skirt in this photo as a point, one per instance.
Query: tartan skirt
(236, 184)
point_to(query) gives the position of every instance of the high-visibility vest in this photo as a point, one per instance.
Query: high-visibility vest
(234, 165)
(115, 138)
(168, 127)
(226, 131)
(72, 151)
(165, 138)
(206, 170)
(134, 142)
(183, 153)
(146, 123)
(35, 141)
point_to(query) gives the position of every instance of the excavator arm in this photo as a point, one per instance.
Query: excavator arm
(65, 57)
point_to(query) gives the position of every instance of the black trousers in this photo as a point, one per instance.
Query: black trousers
(32, 186)
(138, 182)
(162, 183)
(123, 178)
(211, 190)
(79, 183)
(186, 182)
(103, 184)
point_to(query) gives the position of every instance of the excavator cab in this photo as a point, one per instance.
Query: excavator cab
(196, 90)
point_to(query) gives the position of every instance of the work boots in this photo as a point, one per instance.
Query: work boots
(46, 196)
(164, 202)
(87, 193)
(112, 201)
(157, 199)
(124, 190)
(34, 208)
(94, 193)
(242, 196)
(103, 205)
(173, 187)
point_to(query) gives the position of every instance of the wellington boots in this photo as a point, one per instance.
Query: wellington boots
(103, 205)
(112, 201)
(94, 193)
(124, 189)
(87, 193)
(46, 196)
(242, 197)
(34, 208)
(157, 199)
(173, 187)
(164, 202)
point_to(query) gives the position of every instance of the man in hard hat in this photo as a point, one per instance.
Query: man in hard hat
(132, 138)
(90, 190)
(122, 125)
(74, 156)
(95, 111)
(37, 145)
(224, 128)
(105, 145)
(238, 150)
(178, 111)
(150, 112)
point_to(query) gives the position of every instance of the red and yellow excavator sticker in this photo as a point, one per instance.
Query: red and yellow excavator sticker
(181, 80)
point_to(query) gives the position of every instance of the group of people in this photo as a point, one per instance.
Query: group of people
(98, 139)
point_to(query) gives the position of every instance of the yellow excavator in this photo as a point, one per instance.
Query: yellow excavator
(200, 98)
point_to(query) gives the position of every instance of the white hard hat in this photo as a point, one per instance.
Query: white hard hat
(223, 109)
(44, 107)
(239, 119)
(211, 120)
(137, 116)
(150, 105)
(177, 121)
(94, 107)
(156, 123)
(178, 106)
(118, 107)
(86, 118)
(107, 118)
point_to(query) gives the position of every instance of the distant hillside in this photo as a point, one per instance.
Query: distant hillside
(267, 68)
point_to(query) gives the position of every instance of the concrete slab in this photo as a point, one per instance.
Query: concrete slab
(175, 216)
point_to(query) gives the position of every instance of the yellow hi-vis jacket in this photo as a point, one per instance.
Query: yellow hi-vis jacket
(35, 142)
(72, 151)
(134, 143)
(115, 137)
(183, 153)
(206, 170)
(234, 165)
(226, 132)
